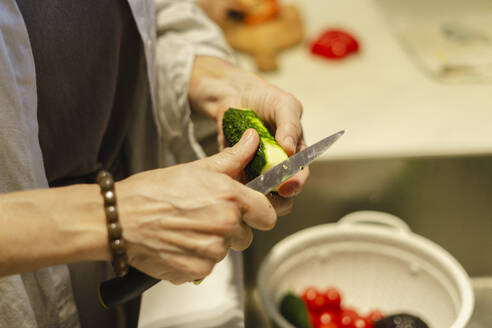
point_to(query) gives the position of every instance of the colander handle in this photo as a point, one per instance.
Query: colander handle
(375, 217)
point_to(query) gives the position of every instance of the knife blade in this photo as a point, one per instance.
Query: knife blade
(267, 181)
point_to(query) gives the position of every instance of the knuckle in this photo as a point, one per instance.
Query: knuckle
(232, 216)
(218, 249)
(296, 128)
(203, 269)
(299, 107)
(295, 104)
(225, 187)
(227, 218)
(270, 220)
(246, 241)
(229, 157)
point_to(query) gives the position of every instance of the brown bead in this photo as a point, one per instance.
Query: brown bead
(109, 198)
(111, 214)
(118, 246)
(106, 184)
(114, 231)
(120, 265)
(103, 174)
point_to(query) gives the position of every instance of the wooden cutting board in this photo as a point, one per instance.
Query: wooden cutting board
(265, 40)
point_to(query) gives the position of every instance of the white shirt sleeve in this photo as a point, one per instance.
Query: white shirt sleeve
(184, 20)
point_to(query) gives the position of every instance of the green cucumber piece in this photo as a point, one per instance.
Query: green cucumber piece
(269, 153)
(294, 310)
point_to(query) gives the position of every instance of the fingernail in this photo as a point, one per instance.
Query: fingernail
(290, 143)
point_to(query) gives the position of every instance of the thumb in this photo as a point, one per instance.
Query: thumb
(232, 160)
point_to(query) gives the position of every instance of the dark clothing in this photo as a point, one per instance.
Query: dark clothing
(91, 79)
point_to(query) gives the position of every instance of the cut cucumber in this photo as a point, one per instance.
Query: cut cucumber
(269, 153)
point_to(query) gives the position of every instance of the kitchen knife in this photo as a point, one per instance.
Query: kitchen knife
(134, 283)
(265, 182)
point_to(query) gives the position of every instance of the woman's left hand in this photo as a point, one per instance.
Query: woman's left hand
(216, 85)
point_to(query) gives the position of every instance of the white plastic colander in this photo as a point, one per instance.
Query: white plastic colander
(376, 262)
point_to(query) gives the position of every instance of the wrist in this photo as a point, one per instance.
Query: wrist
(45, 227)
(87, 231)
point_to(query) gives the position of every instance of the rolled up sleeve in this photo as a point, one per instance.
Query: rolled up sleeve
(183, 32)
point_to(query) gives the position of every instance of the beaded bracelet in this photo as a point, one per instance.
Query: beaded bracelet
(119, 258)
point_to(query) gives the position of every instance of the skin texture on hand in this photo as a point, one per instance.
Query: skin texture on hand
(180, 221)
(216, 85)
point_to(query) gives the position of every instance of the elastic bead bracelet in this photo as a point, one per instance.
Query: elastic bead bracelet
(119, 258)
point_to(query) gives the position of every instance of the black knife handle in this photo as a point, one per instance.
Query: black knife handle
(121, 290)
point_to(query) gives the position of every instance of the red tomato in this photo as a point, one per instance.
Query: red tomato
(333, 299)
(334, 44)
(374, 315)
(362, 323)
(348, 318)
(315, 300)
(328, 316)
(309, 295)
(319, 303)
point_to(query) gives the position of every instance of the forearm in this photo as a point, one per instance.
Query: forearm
(47, 227)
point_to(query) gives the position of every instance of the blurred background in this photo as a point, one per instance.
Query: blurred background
(410, 82)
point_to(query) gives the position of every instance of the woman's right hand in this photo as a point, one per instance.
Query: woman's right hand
(178, 222)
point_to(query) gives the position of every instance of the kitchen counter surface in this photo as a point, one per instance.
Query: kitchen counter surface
(387, 105)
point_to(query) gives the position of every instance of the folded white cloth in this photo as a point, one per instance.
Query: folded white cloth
(456, 50)
(216, 302)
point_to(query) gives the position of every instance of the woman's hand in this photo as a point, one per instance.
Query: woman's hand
(216, 85)
(180, 221)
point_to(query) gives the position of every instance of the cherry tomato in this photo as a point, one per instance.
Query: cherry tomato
(362, 323)
(334, 44)
(309, 296)
(333, 299)
(374, 315)
(319, 303)
(328, 316)
(326, 311)
(348, 318)
(315, 300)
